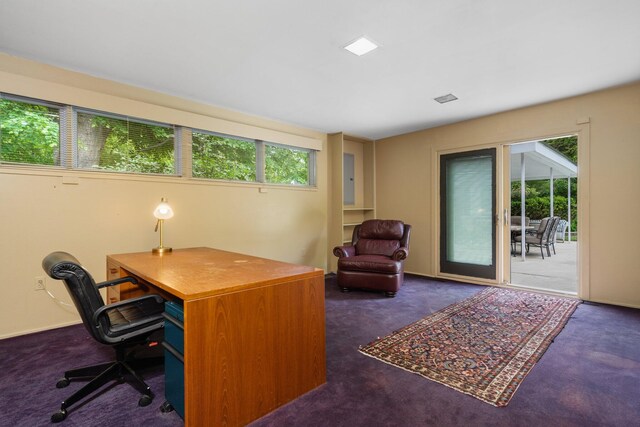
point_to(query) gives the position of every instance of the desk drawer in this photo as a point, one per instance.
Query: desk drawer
(174, 378)
(174, 326)
(174, 355)
(174, 309)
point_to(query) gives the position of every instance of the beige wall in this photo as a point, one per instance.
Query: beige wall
(94, 214)
(608, 128)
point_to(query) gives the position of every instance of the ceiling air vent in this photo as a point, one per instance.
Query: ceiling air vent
(446, 98)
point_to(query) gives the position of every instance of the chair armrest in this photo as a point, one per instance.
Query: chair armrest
(102, 310)
(400, 254)
(344, 251)
(117, 281)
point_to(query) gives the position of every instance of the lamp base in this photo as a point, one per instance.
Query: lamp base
(161, 250)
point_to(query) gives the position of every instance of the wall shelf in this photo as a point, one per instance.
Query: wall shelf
(362, 206)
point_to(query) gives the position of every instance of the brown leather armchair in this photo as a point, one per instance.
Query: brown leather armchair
(375, 258)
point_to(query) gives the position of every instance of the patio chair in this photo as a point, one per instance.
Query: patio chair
(552, 234)
(517, 220)
(539, 237)
(562, 228)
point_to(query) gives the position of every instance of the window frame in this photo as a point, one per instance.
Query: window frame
(177, 133)
(227, 136)
(311, 170)
(260, 146)
(182, 142)
(62, 130)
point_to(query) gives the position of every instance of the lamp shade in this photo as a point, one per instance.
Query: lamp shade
(163, 210)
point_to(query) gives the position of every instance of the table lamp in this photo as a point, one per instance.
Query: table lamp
(162, 212)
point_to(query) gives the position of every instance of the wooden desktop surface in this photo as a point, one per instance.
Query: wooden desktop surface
(202, 272)
(254, 329)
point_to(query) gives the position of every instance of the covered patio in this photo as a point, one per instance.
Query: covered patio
(536, 161)
(558, 273)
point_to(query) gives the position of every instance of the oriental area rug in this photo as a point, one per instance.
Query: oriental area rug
(483, 346)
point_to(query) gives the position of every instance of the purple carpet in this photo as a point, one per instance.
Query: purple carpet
(589, 376)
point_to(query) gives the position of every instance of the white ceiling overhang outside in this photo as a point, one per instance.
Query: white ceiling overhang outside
(539, 161)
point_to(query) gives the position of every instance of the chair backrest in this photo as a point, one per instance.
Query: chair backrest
(543, 227)
(517, 220)
(562, 226)
(80, 285)
(550, 233)
(380, 237)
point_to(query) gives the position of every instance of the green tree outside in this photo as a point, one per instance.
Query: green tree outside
(216, 157)
(125, 146)
(286, 166)
(29, 133)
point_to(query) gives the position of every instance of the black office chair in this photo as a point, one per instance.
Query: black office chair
(122, 325)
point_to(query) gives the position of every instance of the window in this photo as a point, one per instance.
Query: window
(123, 144)
(32, 132)
(217, 156)
(223, 157)
(29, 131)
(287, 165)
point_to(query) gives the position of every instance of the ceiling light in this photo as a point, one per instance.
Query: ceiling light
(446, 98)
(361, 46)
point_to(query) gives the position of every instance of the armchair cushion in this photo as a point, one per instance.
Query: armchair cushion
(372, 263)
(379, 237)
(386, 229)
(376, 247)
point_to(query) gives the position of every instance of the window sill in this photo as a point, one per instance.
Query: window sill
(62, 172)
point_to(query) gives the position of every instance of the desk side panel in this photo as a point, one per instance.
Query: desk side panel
(249, 352)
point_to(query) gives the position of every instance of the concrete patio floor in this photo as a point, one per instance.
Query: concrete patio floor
(557, 273)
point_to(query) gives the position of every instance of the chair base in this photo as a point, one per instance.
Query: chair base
(101, 374)
(387, 283)
(386, 294)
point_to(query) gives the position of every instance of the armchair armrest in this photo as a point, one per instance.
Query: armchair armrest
(117, 281)
(344, 251)
(400, 254)
(100, 312)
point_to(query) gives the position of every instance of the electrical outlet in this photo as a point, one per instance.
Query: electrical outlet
(39, 283)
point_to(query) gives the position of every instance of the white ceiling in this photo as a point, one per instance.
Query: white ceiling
(283, 59)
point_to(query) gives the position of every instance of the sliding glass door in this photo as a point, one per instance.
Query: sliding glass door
(467, 213)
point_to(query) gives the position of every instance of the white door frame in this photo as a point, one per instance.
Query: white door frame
(582, 131)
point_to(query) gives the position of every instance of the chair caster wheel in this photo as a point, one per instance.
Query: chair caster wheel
(145, 400)
(344, 290)
(59, 416)
(166, 407)
(63, 383)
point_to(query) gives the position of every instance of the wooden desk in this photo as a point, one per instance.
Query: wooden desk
(254, 328)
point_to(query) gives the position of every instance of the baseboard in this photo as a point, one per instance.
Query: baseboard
(47, 328)
(616, 303)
